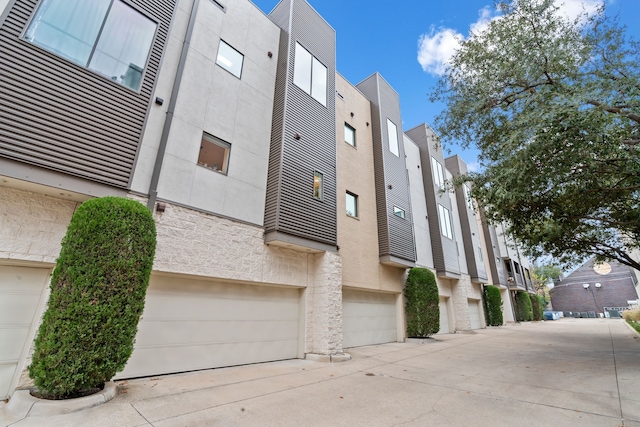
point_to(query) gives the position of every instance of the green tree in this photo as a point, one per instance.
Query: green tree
(421, 303)
(542, 275)
(493, 305)
(98, 290)
(554, 107)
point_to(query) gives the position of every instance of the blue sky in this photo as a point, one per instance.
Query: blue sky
(385, 37)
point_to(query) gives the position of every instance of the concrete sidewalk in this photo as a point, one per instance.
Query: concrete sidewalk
(571, 372)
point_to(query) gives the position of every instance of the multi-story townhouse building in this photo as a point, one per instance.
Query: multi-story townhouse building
(277, 239)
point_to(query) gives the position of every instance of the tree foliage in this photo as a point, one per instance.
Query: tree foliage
(537, 306)
(98, 290)
(422, 303)
(554, 107)
(524, 307)
(493, 305)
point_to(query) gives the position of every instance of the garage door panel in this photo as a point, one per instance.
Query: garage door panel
(195, 324)
(17, 335)
(474, 314)
(444, 316)
(368, 318)
(178, 333)
(7, 372)
(154, 361)
(18, 307)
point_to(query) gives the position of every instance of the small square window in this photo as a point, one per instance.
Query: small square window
(399, 212)
(349, 135)
(214, 154)
(352, 205)
(317, 185)
(230, 59)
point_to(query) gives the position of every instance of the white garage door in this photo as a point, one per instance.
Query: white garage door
(21, 290)
(474, 313)
(193, 324)
(368, 318)
(444, 316)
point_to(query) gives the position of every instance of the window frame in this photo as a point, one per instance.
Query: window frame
(393, 137)
(397, 210)
(355, 204)
(348, 127)
(226, 146)
(320, 192)
(225, 66)
(438, 172)
(304, 78)
(96, 42)
(446, 228)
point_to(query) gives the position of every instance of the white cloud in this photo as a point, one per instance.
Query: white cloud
(473, 166)
(436, 48)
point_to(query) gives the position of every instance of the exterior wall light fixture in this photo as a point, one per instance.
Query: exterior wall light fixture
(586, 286)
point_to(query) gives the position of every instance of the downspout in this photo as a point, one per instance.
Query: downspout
(162, 147)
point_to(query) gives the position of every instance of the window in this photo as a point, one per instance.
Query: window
(352, 204)
(229, 59)
(399, 212)
(349, 135)
(438, 173)
(467, 196)
(106, 36)
(392, 133)
(310, 75)
(317, 185)
(480, 254)
(214, 154)
(445, 221)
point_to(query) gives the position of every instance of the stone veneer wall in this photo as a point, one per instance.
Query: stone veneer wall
(32, 225)
(461, 291)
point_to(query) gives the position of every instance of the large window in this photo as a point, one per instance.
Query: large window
(392, 133)
(352, 204)
(310, 75)
(445, 221)
(230, 59)
(438, 172)
(106, 36)
(214, 154)
(349, 135)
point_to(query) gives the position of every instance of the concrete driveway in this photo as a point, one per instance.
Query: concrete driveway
(571, 372)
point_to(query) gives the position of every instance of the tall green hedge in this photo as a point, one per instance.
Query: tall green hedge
(98, 290)
(421, 303)
(493, 305)
(524, 308)
(537, 305)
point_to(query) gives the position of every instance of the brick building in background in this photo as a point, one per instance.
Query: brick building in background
(596, 288)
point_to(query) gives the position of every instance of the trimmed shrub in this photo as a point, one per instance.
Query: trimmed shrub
(421, 303)
(524, 308)
(537, 304)
(98, 290)
(493, 305)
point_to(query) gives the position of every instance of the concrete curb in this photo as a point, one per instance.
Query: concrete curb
(22, 404)
(420, 340)
(631, 328)
(328, 358)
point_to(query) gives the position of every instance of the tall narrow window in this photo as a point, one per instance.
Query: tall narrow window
(349, 135)
(310, 75)
(317, 185)
(229, 59)
(214, 153)
(106, 36)
(392, 133)
(445, 221)
(467, 196)
(352, 204)
(438, 172)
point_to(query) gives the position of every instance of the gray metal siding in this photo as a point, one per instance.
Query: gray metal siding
(58, 115)
(291, 207)
(445, 250)
(498, 274)
(392, 183)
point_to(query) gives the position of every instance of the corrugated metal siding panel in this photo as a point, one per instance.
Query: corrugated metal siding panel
(275, 152)
(391, 170)
(445, 251)
(298, 213)
(58, 115)
(369, 88)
